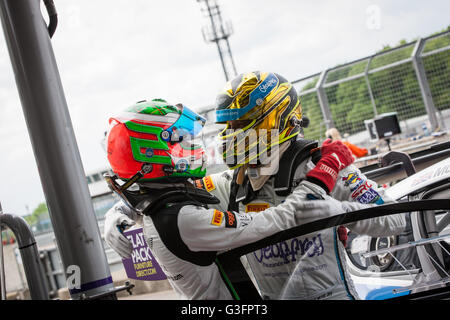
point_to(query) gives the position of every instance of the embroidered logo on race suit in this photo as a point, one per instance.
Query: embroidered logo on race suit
(370, 196)
(290, 250)
(328, 170)
(217, 218)
(176, 277)
(209, 185)
(199, 184)
(351, 178)
(363, 187)
(243, 219)
(227, 176)
(341, 165)
(364, 193)
(230, 220)
(256, 207)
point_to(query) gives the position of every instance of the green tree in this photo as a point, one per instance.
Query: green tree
(394, 89)
(40, 212)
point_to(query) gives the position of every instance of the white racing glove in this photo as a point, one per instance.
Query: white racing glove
(115, 223)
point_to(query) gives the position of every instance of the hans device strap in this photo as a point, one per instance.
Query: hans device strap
(166, 223)
(298, 152)
(155, 200)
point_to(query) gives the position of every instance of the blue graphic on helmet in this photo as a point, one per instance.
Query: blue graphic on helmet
(256, 98)
(149, 152)
(182, 165)
(189, 124)
(165, 135)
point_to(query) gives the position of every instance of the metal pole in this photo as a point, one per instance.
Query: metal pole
(323, 100)
(30, 255)
(213, 26)
(369, 88)
(227, 43)
(2, 264)
(54, 145)
(423, 84)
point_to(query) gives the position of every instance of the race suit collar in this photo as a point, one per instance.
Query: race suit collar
(258, 176)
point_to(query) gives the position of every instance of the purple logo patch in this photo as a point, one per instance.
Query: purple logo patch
(142, 265)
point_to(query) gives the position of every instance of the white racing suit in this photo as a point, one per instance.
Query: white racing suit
(208, 230)
(312, 266)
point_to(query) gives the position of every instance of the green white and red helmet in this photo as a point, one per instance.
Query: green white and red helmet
(153, 141)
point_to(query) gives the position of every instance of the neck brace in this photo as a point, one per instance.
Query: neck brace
(258, 176)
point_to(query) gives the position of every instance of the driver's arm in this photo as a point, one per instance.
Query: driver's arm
(204, 229)
(353, 185)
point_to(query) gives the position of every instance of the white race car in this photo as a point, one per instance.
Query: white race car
(418, 259)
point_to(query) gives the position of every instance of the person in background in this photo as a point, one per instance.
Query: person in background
(334, 135)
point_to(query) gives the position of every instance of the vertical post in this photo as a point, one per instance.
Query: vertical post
(30, 255)
(54, 146)
(323, 100)
(2, 263)
(231, 60)
(423, 83)
(213, 26)
(369, 88)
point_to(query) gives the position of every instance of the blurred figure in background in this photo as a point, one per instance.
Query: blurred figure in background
(334, 135)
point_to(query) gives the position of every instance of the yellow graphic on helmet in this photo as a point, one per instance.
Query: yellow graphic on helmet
(261, 110)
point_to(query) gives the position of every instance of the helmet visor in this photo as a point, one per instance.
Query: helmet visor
(187, 126)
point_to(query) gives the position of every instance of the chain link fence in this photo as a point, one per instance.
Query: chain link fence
(412, 80)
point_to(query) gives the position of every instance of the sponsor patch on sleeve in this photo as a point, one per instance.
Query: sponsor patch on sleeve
(351, 179)
(256, 207)
(217, 218)
(230, 220)
(370, 196)
(208, 183)
(199, 184)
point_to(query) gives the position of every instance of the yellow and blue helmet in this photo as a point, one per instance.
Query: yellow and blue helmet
(264, 108)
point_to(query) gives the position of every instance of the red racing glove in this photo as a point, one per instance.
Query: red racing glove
(342, 234)
(335, 157)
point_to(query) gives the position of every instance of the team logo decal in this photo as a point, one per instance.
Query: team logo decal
(351, 179)
(289, 251)
(208, 183)
(217, 218)
(149, 152)
(182, 165)
(230, 220)
(199, 184)
(256, 207)
(370, 196)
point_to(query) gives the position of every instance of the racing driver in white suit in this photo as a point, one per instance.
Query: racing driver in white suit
(315, 262)
(181, 227)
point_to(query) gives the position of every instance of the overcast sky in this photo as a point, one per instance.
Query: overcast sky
(112, 54)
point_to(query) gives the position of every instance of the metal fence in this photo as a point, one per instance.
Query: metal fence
(412, 80)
